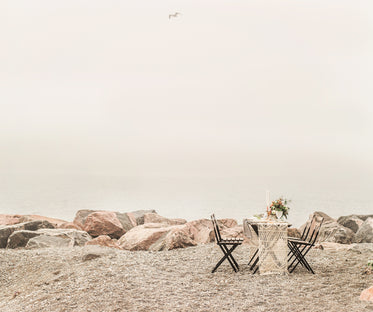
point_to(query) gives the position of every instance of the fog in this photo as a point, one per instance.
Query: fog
(228, 88)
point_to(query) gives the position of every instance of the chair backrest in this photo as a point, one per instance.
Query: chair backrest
(313, 229)
(216, 228)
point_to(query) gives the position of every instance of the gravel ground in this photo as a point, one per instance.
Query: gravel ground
(176, 280)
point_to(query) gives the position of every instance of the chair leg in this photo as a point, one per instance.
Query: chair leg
(295, 253)
(299, 255)
(252, 258)
(255, 265)
(303, 253)
(230, 257)
(227, 255)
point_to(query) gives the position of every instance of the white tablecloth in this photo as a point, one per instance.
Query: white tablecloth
(271, 241)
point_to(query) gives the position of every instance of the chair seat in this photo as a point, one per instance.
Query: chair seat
(231, 241)
(294, 238)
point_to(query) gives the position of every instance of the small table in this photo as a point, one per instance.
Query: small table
(271, 237)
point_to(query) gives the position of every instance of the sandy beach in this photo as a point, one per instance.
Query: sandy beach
(94, 278)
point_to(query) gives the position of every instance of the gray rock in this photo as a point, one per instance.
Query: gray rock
(139, 215)
(38, 224)
(20, 238)
(91, 256)
(331, 230)
(336, 233)
(6, 231)
(353, 222)
(125, 221)
(46, 241)
(58, 238)
(365, 232)
(364, 217)
(79, 238)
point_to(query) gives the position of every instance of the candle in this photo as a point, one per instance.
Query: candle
(267, 201)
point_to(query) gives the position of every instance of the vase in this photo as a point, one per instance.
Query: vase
(279, 214)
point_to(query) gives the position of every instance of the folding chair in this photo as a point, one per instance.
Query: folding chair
(227, 246)
(299, 247)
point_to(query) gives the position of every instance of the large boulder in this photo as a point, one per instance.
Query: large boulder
(81, 216)
(331, 230)
(128, 219)
(20, 238)
(143, 236)
(58, 238)
(46, 241)
(334, 232)
(103, 223)
(6, 231)
(365, 232)
(176, 237)
(156, 218)
(105, 241)
(353, 222)
(201, 231)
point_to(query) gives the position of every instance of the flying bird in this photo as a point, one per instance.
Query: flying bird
(176, 14)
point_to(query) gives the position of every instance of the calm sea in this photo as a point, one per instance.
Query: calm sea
(60, 196)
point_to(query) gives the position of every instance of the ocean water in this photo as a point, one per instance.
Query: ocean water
(60, 196)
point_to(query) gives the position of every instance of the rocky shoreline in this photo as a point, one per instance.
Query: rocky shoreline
(146, 230)
(138, 261)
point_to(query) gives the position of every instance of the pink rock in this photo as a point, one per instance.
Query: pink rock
(103, 223)
(104, 240)
(69, 225)
(81, 216)
(156, 218)
(132, 218)
(7, 219)
(143, 236)
(54, 221)
(234, 232)
(367, 294)
(176, 237)
(201, 231)
(227, 223)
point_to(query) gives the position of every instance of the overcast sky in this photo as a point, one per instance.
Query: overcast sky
(228, 88)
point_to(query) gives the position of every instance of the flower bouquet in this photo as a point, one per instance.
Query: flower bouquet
(280, 208)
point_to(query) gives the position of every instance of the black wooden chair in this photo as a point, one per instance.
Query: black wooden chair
(227, 245)
(299, 247)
